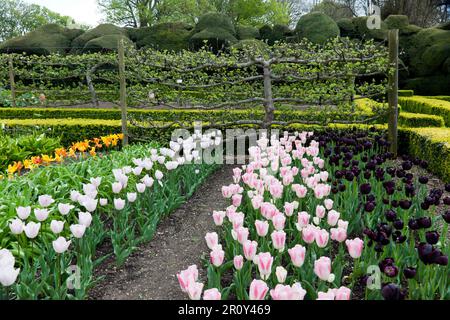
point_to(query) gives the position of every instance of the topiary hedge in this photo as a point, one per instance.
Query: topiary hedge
(429, 86)
(106, 43)
(171, 36)
(405, 93)
(317, 27)
(425, 105)
(79, 43)
(397, 21)
(417, 120)
(432, 144)
(247, 32)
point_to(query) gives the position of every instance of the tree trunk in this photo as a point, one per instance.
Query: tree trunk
(268, 97)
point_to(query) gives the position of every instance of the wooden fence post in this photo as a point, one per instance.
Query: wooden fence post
(123, 91)
(393, 91)
(12, 81)
(268, 96)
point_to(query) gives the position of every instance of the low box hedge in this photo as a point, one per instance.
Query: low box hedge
(431, 144)
(425, 105)
(445, 98)
(414, 120)
(405, 93)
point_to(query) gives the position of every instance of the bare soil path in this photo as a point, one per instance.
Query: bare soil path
(150, 273)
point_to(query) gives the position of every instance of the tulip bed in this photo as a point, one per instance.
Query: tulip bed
(326, 216)
(54, 219)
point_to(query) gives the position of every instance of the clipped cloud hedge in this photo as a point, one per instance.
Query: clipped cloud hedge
(431, 144)
(418, 104)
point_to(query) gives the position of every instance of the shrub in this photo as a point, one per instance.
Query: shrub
(360, 24)
(432, 144)
(397, 21)
(430, 86)
(101, 30)
(445, 98)
(216, 38)
(248, 44)
(105, 43)
(45, 40)
(428, 106)
(215, 20)
(247, 32)
(164, 36)
(346, 27)
(405, 93)
(317, 27)
(415, 120)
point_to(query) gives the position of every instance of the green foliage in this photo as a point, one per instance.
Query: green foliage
(432, 144)
(164, 36)
(101, 30)
(405, 93)
(317, 28)
(18, 17)
(397, 21)
(106, 43)
(42, 41)
(24, 146)
(214, 29)
(249, 44)
(363, 32)
(247, 32)
(347, 27)
(22, 100)
(416, 120)
(425, 105)
(215, 20)
(432, 85)
(333, 9)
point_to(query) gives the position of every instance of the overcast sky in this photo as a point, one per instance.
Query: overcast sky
(83, 11)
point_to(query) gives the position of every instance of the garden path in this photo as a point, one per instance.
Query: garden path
(150, 272)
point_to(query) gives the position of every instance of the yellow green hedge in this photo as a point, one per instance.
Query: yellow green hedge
(425, 105)
(415, 120)
(431, 144)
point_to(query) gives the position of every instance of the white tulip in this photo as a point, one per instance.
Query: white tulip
(8, 276)
(56, 226)
(23, 212)
(6, 259)
(96, 181)
(159, 175)
(147, 164)
(45, 200)
(64, 208)
(41, 214)
(90, 190)
(127, 170)
(16, 226)
(32, 229)
(74, 195)
(103, 202)
(281, 274)
(140, 187)
(119, 204)
(116, 187)
(137, 171)
(61, 245)
(148, 181)
(78, 230)
(85, 218)
(90, 204)
(131, 197)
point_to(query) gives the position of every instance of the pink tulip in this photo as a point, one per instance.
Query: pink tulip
(257, 201)
(321, 238)
(258, 290)
(250, 248)
(237, 199)
(238, 262)
(226, 192)
(343, 224)
(217, 256)
(194, 290)
(333, 217)
(268, 210)
(338, 234)
(329, 295)
(278, 240)
(299, 190)
(320, 212)
(262, 227)
(355, 247)
(188, 276)
(265, 261)
(322, 268)
(282, 292)
(218, 217)
(278, 221)
(309, 234)
(343, 293)
(303, 220)
(328, 204)
(289, 208)
(297, 255)
(281, 274)
(212, 294)
(212, 240)
(276, 189)
(242, 235)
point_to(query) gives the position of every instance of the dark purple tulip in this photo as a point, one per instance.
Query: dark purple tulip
(392, 292)
(342, 187)
(391, 271)
(339, 174)
(349, 176)
(394, 203)
(407, 165)
(364, 159)
(390, 191)
(334, 190)
(413, 224)
(409, 190)
(379, 248)
(409, 272)
(371, 198)
(425, 206)
(423, 180)
(389, 184)
(391, 215)
(424, 222)
(447, 187)
(365, 188)
(446, 216)
(386, 262)
(398, 224)
(432, 237)
(400, 174)
(386, 201)
(447, 201)
(405, 204)
(401, 239)
(391, 171)
(369, 206)
(442, 260)
(367, 174)
(424, 164)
